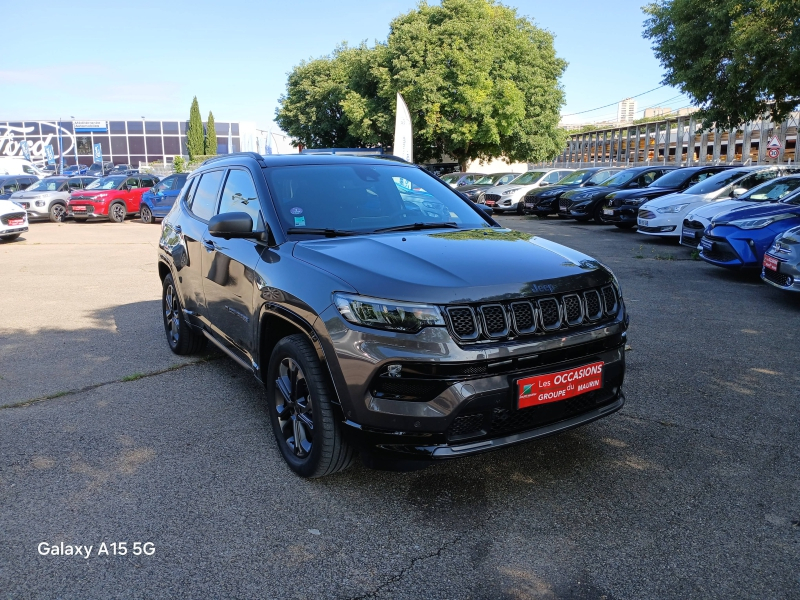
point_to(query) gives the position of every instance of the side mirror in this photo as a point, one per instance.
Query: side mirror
(233, 225)
(544, 183)
(738, 192)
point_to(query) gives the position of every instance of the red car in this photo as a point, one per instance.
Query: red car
(113, 197)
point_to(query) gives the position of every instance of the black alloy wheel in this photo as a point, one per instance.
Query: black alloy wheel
(146, 215)
(117, 212)
(182, 339)
(599, 217)
(58, 212)
(303, 416)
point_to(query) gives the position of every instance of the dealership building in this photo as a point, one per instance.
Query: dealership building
(133, 142)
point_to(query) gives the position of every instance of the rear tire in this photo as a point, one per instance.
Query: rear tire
(181, 337)
(302, 412)
(146, 215)
(117, 212)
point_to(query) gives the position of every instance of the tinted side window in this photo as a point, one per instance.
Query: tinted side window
(147, 182)
(75, 185)
(178, 182)
(239, 195)
(204, 200)
(9, 187)
(132, 182)
(756, 178)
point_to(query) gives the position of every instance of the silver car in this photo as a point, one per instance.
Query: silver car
(509, 197)
(781, 266)
(45, 199)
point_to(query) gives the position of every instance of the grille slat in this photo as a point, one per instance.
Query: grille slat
(573, 311)
(494, 320)
(551, 315)
(594, 308)
(609, 300)
(524, 317)
(647, 214)
(463, 321)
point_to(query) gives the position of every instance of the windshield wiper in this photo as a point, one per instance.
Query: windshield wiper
(321, 231)
(418, 226)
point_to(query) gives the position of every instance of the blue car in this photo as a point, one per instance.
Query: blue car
(158, 200)
(739, 238)
(72, 170)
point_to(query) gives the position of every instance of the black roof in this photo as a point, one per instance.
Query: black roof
(286, 160)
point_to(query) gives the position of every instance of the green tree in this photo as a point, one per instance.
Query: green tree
(178, 164)
(736, 59)
(480, 82)
(194, 133)
(211, 136)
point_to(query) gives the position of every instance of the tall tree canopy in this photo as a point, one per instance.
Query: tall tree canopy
(211, 135)
(480, 82)
(194, 133)
(736, 59)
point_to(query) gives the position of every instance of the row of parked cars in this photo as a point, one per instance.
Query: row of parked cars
(56, 198)
(736, 217)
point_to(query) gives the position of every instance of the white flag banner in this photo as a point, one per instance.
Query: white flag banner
(403, 140)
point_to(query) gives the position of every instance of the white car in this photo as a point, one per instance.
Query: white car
(15, 165)
(664, 216)
(509, 197)
(699, 218)
(13, 220)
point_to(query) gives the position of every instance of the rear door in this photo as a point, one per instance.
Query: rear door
(167, 197)
(229, 271)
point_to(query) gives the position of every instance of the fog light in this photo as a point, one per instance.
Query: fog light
(40, 203)
(789, 280)
(394, 370)
(667, 228)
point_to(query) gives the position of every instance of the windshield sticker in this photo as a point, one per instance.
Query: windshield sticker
(296, 211)
(299, 221)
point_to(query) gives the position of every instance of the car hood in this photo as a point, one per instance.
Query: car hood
(7, 207)
(474, 186)
(790, 237)
(650, 192)
(763, 209)
(473, 265)
(599, 190)
(91, 193)
(499, 189)
(708, 211)
(24, 194)
(675, 198)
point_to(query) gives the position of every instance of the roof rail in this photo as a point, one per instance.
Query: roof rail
(255, 155)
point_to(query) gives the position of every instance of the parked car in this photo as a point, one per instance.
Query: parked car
(664, 216)
(14, 183)
(15, 165)
(476, 190)
(621, 207)
(587, 203)
(13, 220)
(738, 239)
(781, 266)
(113, 197)
(98, 170)
(544, 202)
(508, 197)
(458, 179)
(80, 182)
(158, 201)
(377, 330)
(72, 170)
(45, 199)
(696, 221)
(121, 169)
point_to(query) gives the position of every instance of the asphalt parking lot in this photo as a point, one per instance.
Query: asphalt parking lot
(691, 491)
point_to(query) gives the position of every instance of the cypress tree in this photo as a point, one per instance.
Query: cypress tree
(194, 134)
(211, 136)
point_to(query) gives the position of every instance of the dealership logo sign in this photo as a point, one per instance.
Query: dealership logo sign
(12, 141)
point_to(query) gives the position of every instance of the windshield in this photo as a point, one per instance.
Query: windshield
(529, 177)
(576, 177)
(772, 191)
(599, 177)
(675, 178)
(106, 183)
(496, 179)
(717, 182)
(46, 185)
(96, 167)
(620, 178)
(364, 198)
(452, 178)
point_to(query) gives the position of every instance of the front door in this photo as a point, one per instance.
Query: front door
(229, 271)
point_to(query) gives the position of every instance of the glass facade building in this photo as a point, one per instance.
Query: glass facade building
(122, 142)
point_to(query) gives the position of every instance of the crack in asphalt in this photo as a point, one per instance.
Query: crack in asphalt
(402, 573)
(94, 386)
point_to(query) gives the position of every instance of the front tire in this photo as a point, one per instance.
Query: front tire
(117, 212)
(58, 212)
(598, 215)
(10, 238)
(181, 338)
(520, 208)
(302, 411)
(146, 215)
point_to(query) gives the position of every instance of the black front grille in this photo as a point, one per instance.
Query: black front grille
(594, 309)
(25, 205)
(609, 299)
(777, 278)
(494, 320)
(462, 320)
(7, 217)
(89, 209)
(721, 250)
(551, 315)
(564, 203)
(524, 316)
(492, 197)
(466, 425)
(647, 214)
(573, 310)
(409, 389)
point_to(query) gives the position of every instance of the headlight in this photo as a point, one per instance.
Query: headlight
(582, 196)
(511, 191)
(636, 201)
(549, 194)
(387, 314)
(759, 223)
(675, 208)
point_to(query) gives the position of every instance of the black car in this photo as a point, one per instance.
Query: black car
(123, 169)
(379, 327)
(98, 170)
(475, 191)
(585, 204)
(621, 207)
(545, 202)
(13, 183)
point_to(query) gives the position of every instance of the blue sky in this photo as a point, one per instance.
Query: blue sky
(127, 60)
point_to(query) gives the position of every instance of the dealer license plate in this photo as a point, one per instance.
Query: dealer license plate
(529, 205)
(15, 222)
(553, 387)
(608, 211)
(643, 222)
(490, 203)
(707, 244)
(79, 208)
(770, 262)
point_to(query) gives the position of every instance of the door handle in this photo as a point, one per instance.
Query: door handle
(209, 245)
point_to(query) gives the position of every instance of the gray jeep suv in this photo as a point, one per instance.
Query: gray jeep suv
(385, 314)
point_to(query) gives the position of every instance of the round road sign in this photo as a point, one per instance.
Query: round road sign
(773, 152)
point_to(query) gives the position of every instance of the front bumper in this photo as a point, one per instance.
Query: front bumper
(787, 277)
(89, 211)
(621, 214)
(541, 206)
(7, 231)
(658, 224)
(692, 233)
